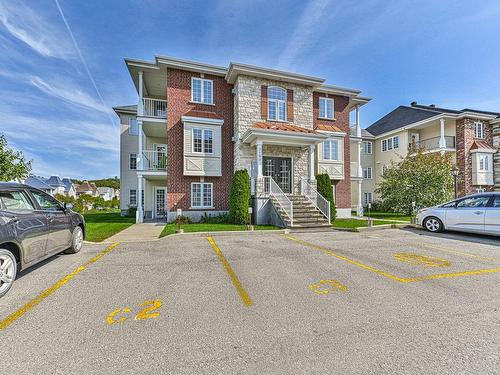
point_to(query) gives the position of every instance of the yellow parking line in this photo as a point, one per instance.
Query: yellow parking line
(355, 262)
(445, 249)
(236, 282)
(47, 292)
(389, 275)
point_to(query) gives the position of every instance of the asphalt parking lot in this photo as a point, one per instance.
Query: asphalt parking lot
(391, 301)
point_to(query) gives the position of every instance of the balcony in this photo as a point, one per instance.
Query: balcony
(154, 160)
(432, 144)
(356, 170)
(155, 108)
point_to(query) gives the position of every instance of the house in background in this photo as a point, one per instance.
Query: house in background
(57, 185)
(86, 187)
(107, 193)
(39, 183)
(195, 124)
(472, 137)
(69, 187)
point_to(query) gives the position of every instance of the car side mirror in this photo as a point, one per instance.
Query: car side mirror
(68, 206)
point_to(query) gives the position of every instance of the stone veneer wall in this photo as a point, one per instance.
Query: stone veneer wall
(464, 140)
(496, 160)
(247, 111)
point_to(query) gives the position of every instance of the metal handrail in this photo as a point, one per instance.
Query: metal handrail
(274, 191)
(154, 107)
(154, 160)
(319, 201)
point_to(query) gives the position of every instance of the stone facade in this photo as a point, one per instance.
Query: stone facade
(464, 140)
(247, 111)
(496, 160)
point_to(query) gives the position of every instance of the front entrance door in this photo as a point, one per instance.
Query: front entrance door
(280, 169)
(160, 202)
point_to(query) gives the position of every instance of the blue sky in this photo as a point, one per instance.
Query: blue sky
(442, 52)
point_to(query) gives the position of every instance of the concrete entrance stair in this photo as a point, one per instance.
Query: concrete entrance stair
(305, 214)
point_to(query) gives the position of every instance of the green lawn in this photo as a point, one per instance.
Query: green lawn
(198, 227)
(101, 225)
(356, 223)
(388, 216)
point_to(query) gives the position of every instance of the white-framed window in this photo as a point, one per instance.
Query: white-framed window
(202, 90)
(276, 103)
(390, 143)
(132, 197)
(201, 195)
(367, 173)
(484, 162)
(479, 190)
(384, 169)
(367, 147)
(203, 141)
(479, 130)
(326, 108)
(331, 150)
(133, 127)
(367, 198)
(133, 161)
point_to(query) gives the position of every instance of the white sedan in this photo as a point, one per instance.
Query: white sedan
(478, 213)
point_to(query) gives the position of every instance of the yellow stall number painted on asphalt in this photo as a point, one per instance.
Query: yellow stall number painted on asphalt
(118, 316)
(421, 260)
(327, 286)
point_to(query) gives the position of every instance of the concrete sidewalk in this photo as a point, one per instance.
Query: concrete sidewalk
(138, 232)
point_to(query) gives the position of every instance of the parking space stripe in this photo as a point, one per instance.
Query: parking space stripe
(451, 275)
(445, 249)
(232, 275)
(47, 292)
(341, 257)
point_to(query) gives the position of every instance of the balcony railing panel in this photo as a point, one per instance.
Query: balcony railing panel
(154, 160)
(433, 143)
(356, 170)
(154, 108)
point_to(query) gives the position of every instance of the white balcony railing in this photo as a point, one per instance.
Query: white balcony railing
(431, 144)
(154, 160)
(356, 170)
(154, 108)
(320, 202)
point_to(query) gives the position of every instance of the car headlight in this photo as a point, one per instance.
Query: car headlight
(421, 210)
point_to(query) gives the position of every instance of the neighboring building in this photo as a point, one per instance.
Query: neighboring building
(86, 187)
(39, 183)
(196, 124)
(107, 193)
(69, 187)
(57, 185)
(471, 136)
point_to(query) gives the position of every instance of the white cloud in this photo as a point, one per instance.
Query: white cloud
(304, 32)
(31, 28)
(69, 92)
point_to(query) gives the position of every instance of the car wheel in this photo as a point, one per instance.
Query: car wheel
(8, 270)
(76, 241)
(433, 224)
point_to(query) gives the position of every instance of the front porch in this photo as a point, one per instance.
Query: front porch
(153, 190)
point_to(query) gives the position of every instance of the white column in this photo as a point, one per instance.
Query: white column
(360, 171)
(312, 148)
(258, 145)
(442, 140)
(140, 153)
(358, 123)
(140, 106)
(140, 209)
(359, 208)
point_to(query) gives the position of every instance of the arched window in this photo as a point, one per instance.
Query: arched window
(276, 103)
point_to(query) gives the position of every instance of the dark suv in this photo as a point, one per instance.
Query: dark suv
(33, 227)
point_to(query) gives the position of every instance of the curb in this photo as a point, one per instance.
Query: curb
(227, 233)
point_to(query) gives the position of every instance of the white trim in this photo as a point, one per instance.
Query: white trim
(482, 128)
(282, 137)
(136, 161)
(387, 143)
(483, 151)
(332, 134)
(155, 189)
(202, 190)
(325, 99)
(130, 120)
(202, 93)
(277, 101)
(202, 152)
(202, 120)
(337, 141)
(364, 148)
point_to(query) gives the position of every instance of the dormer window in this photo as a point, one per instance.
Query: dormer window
(276, 103)
(202, 91)
(479, 130)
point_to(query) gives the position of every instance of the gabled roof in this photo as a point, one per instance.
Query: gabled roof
(481, 145)
(55, 181)
(364, 133)
(407, 115)
(86, 186)
(282, 127)
(37, 182)
(67, 184)
(328, 128)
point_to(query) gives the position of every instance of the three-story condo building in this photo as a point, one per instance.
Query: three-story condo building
(195, 124)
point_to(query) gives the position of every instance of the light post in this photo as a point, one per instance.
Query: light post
(455, 172)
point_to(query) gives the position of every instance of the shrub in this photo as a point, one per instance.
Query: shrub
(324, 187)
(181, 219)
(239, 197)
(217, 219)
(132, 211)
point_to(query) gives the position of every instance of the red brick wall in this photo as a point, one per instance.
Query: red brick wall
(178, 103)
(341, 121)
(464, 140)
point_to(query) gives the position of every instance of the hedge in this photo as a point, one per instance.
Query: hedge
(239, 197)
(324, 187)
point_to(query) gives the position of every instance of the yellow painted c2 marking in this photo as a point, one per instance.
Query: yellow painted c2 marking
(389, 275)
(47, 292)
(247, 301)
(146, 313)
(319, 287)
(110, 319)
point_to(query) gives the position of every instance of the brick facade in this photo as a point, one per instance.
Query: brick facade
(464, 140)
(341, 121)
(178, 98)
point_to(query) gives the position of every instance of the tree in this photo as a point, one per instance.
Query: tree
(324, 187)
(65, 198)
(13, 165)
(423, 178)
(239, 197)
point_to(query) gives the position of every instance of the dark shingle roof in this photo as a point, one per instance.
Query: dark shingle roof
(398, 118)
(126, 108)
